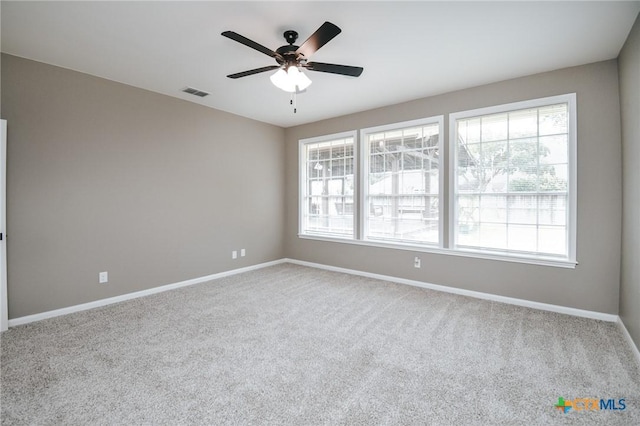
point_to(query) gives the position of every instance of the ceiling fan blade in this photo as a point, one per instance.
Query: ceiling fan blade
(252, 44)
(334, 68)
(322, 36)
(255, 71)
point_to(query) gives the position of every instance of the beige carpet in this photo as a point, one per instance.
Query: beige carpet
(300, 346)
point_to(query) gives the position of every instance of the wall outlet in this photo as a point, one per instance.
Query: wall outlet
(103, 277)
(243, 253)
(234, 254)
(416, 262)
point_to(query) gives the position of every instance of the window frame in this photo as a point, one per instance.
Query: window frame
(364, 175)
(302, 180)
(570, 259)
(447, 171)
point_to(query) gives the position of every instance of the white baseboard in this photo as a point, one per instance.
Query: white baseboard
(627, 336)
(103, 302)
(478, 295)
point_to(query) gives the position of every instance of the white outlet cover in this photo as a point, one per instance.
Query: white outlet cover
(234, 254)
(103, 277)
(242, 253)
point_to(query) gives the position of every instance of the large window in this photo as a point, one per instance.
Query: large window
(510, 193)
(402, 182)
(327, 186)
(513, 178)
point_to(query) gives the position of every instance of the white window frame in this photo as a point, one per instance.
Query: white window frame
(447, 192)
(302, 172)
(364, 162)
(570, 260)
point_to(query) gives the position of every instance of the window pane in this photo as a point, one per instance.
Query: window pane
(336, 186)
(523, 123)
(523, 238)
(316, 187)
(523, 216)
(554, 149)
(552, 240)
(469, 131)
(494, 154)
(468, 209)
(553, 120)
(413, 181)
(493, 208)
(553, 178)
(552, 209)
(493, 235)
(337, 151)
(494, 127)
(469, 155)
(523, 156)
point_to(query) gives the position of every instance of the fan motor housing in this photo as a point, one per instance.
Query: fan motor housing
(288, 53)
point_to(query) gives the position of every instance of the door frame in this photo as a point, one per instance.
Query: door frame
(4, 305)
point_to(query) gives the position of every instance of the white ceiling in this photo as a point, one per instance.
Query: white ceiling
(409, 50)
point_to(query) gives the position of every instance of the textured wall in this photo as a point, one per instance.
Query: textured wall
(592, 285)
(106, 177)
(629, 65)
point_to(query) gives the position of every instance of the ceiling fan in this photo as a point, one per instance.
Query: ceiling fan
(292, 58)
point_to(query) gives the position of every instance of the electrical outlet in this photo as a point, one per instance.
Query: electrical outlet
(103, 277)
(416, 262)
(243, 253)
(234, 254)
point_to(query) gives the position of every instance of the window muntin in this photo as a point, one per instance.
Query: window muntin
(328, 186)
(513, 178)
(402, 182)
(511, 190)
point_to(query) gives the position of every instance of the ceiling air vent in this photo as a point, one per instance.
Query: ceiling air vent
(196, 92)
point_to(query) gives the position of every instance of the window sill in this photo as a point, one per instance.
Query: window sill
(543, 261)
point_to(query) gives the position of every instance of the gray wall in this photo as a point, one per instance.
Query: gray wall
(629, 64)
(1, 61)
(103, 176)
(106, 177)
(592, 285)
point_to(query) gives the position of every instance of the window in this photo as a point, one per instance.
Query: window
(513, 179)
(510, 193)
(402, 182)
(327, 186)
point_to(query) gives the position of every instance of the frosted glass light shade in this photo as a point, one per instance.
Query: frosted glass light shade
(290, 79)
(281, 80)
(302, 81)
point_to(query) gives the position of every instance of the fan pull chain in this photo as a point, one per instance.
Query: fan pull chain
(292, 102)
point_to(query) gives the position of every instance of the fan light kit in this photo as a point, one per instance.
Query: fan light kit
(291, 80)
(292, 59)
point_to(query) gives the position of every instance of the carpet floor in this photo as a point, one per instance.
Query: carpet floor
(295, 345)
